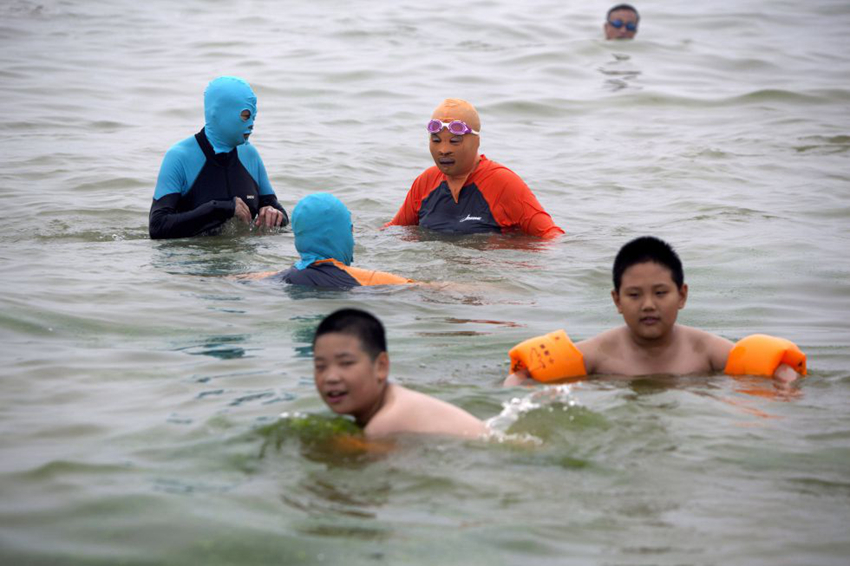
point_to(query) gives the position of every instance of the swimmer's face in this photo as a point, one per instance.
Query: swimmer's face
(246, 115)
(348, 379)
(454, 155)
(649, 301)
(627, 17)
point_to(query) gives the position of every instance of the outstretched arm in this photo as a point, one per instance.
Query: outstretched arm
(253, 276)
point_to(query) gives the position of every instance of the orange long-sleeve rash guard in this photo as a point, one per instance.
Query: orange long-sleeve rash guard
(493, 199)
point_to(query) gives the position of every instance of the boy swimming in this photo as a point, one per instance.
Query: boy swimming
(351, 370)
(649, 290)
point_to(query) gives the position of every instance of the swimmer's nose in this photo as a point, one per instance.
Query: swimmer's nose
(332, 376)
(444, 147)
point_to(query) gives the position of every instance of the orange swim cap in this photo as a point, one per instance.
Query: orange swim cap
(457, 109)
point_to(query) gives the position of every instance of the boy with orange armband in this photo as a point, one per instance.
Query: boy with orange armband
(351, 369)
(649, 290)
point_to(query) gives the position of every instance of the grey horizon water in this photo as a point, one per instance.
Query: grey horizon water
(137, 380)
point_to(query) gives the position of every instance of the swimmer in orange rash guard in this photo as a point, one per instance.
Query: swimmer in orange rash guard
(324, 239)
(465, 192)
(351, 370)
(649, 290)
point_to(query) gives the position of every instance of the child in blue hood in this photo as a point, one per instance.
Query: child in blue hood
(324, 240)
(216, 174)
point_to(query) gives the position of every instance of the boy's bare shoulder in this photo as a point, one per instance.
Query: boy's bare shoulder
(702, 343)
(607, 340)
(414, 412)
(700, 339)
(608, 344)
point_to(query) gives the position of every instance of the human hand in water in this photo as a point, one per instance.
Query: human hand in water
(520, 377)
(252, 276)
(242, 212)
(269, 217)
(785, 374)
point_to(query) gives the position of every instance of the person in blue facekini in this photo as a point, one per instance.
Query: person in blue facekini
(325, 241)
(216, 174)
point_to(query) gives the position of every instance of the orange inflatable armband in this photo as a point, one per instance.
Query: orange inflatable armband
(549, 357)
(367, 277)
(760, 354)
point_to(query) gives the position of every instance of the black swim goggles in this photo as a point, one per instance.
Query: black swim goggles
(617, 24)
(455, 127)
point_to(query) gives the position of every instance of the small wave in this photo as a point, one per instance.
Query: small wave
(780, 95)
(541, 108)
(517, 407)
(824, 145)
(60, 231)
(762, 96)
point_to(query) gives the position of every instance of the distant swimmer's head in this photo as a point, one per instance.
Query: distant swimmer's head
(351, 364)
(323, 230)
(230, 107)
(621, 22)
(454, 132)
(649, 287)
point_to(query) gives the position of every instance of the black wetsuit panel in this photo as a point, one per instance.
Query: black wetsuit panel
(325, 275)
(470, 215)
(209, 202)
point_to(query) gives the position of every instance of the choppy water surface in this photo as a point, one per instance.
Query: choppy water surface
(141, 389)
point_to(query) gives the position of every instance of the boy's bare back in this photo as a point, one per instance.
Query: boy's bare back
(409, 411)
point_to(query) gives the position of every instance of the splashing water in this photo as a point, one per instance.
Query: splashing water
(513, 410)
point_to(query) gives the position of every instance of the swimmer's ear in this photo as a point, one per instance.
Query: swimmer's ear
(683, 295)
(382, 367)
(616, 297)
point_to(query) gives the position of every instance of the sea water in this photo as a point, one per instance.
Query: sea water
(142, 388)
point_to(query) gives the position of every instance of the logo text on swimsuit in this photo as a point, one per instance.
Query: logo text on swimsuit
(470, 217)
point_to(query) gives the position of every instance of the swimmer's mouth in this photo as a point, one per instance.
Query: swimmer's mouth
(650, 320)
(447, 161)
(334, 397)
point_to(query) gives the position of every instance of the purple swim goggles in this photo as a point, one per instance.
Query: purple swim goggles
(455, 127)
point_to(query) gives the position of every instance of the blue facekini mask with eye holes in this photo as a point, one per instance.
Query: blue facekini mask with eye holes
(224, 101)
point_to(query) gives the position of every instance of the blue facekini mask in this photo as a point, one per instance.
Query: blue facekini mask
(322, 228)
(224, 101)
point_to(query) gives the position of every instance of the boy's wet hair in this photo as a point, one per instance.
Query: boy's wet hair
(358, 323)
(648, 249)
(628, 7)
